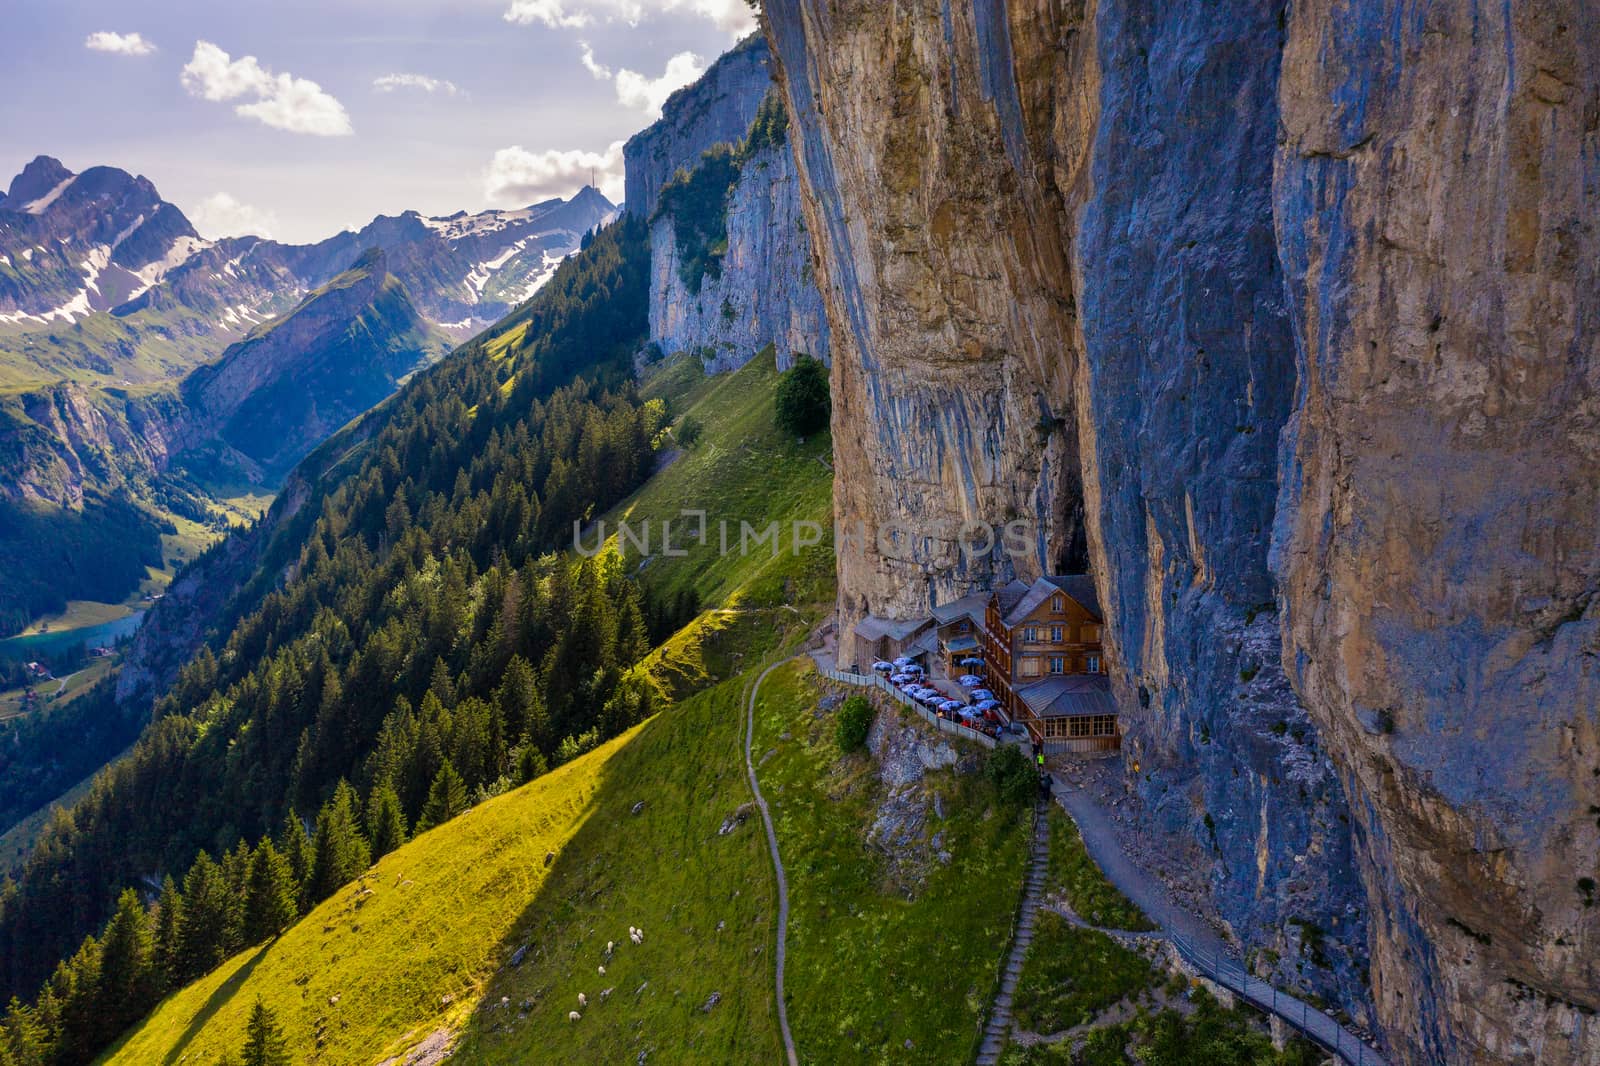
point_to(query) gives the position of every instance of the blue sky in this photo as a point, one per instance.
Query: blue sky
(350, 108)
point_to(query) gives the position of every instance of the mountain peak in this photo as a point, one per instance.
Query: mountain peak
(591, 195)
(36, 180)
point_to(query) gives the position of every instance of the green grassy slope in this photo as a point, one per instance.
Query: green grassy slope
(877, 971)
(742, 469)
(423, 942)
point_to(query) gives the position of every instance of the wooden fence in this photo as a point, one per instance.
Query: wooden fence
(943, 725)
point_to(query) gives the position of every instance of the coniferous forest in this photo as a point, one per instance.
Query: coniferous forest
(424, 644)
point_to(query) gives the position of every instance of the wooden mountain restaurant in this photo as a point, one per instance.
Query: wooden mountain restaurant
(1040, 650)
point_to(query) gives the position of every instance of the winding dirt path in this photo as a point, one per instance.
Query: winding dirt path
(777, 863)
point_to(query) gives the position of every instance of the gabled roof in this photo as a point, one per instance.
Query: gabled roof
(1079, 586)
(970, 606)
(1069, 696)
(1008, 596)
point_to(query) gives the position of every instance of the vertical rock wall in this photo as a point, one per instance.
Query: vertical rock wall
(1047, 251)
(766, 292)
(947, 283)
(1183, 281)
(1187, 379)
(1438, 196)
(716, 109)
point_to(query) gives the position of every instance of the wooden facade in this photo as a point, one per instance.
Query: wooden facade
(1047, 630)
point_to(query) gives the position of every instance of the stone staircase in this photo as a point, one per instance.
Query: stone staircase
(999, 1028)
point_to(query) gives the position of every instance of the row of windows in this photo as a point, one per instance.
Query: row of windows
(1086, 634)
(1092, 725)
(1056, 664)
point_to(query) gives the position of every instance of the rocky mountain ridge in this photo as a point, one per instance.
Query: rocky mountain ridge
(102, 252)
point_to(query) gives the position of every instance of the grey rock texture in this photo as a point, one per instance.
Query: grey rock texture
(716, 109)
(1285, 319)
(766, 292)
(1438, 541)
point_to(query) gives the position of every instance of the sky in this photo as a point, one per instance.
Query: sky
(298, 118)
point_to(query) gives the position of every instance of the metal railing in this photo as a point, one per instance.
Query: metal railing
(944, 725)
(1320, 1027)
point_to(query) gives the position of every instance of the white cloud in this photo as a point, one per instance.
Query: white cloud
(516, 176)
(733, 16)
(390, 82)
(600, 71)
(122, 44)
(646, 94)
(282, 100)
(220, 215)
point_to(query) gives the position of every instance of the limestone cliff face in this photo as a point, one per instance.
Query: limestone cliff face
(716, 109)
(765, 292)
(1437, 190)
(1074, 277)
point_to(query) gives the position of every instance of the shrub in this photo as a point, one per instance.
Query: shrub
(1011, 775)
(689, 431)
(802, 401)
(853, 722)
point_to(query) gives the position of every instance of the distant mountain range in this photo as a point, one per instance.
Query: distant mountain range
(101, 279)
(141, 365)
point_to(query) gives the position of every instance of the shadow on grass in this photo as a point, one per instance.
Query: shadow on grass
(215, 1002)
(689, 869)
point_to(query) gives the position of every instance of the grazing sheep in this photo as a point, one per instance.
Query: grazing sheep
(583, 1000)
(610, 946)
(602, 971)
(573, 1016)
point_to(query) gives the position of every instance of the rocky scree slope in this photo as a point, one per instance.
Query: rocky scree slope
(1283, 319)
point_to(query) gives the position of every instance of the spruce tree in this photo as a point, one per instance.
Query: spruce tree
(339, 852)
(446, 799)
(168, 946)
(295, 845)
(271, 895)
(127, 964)
(206, 913)
(265, 1044)
(386, 822)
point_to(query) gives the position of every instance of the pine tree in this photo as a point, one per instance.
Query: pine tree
(206, 912)
(265, 1044)
(386, 822)
(127, 964)
(271, 895)
(339, 852)
(446, 799)
(168, 946)
(295, 845)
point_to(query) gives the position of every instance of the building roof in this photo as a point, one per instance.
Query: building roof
(1008, 596)
(1078, 586)
(873, 628)
(1069, 696)
(970, 606)
(1081, 588)
(961, 644)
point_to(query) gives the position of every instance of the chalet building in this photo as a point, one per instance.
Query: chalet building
(1041, 653)
(1046, 663)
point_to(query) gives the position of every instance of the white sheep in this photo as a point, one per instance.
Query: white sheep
(637, 936)
(610, 947)
(602, 971)
(583, 1000)
(573, 1016)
